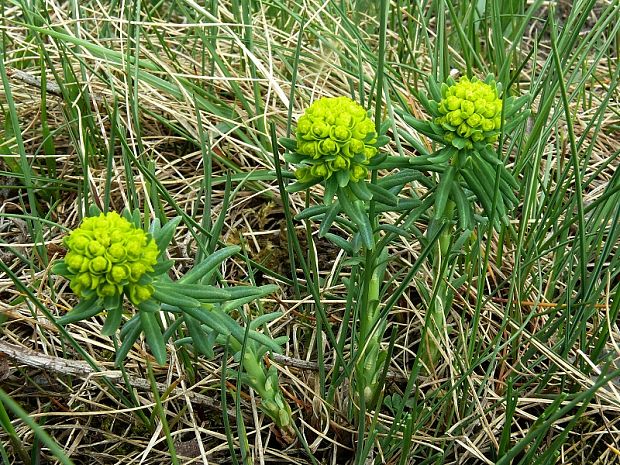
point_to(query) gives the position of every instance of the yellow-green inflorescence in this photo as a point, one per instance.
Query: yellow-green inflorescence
(108, 255)
(470, 110)
(335, 135)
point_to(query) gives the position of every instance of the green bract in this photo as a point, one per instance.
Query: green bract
(470, 112)
(108, 255)
(468, 117)
(337, 144)
(335, 136)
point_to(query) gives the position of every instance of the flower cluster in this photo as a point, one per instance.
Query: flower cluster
(335, 135)
(108, 255)
(471, 112)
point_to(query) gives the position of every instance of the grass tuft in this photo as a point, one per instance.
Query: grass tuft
(175, 108)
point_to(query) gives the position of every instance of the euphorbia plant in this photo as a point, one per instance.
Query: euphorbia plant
(337, 146)
(116, 267)
(468, 117)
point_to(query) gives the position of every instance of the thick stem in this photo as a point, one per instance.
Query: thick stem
(265, 382)
(370, 363)
(370, 314)
(438, 307)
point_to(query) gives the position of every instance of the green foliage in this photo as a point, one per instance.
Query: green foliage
(468, 117)
(132, 259)
(503, 253)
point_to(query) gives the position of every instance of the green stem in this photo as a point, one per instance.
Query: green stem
(370, 362)
(5, 421)
(438, 307)
(369, 314)
(265, 382)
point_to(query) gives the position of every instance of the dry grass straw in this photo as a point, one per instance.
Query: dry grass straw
(47, 378)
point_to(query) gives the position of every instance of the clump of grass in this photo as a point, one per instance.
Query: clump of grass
(168, 108)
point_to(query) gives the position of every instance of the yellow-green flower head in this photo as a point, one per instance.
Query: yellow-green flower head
(108, 255)
(335, 134)
(471, 111)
